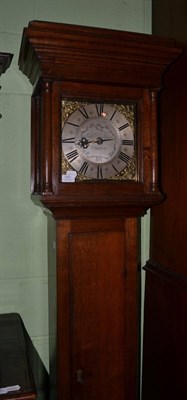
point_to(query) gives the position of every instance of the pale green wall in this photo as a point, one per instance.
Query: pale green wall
(23, 227)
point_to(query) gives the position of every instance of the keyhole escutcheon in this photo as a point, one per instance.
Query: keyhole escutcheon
(80, 376)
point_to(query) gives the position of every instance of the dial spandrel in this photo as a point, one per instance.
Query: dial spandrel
(98, 140)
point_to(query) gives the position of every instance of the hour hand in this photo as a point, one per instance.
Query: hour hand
(83, 143)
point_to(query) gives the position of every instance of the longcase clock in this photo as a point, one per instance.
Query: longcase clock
(95, 173)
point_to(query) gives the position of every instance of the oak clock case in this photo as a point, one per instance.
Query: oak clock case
(97, 141)
(95, 173)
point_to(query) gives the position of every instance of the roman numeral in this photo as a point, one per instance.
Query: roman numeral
(99, 172)
(115, 168)
(99, 109)
(84, 168)
(72, 155)
(68, 140)
(124, 157)
(113, 115)
(123, 126)
(128, 142)
(71, 123)
(83, 111)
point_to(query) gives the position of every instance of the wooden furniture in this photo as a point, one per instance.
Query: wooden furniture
(165, 331)
(16, 379)
(5, 61)
(168, 20)
(94, 241)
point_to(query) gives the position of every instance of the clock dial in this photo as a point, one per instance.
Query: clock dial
(97, 141)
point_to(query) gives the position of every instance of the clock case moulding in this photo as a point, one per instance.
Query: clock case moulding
(86, 64)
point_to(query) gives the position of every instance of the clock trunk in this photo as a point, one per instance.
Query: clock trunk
(98, 318)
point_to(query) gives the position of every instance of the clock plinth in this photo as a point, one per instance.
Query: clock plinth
(95, 168)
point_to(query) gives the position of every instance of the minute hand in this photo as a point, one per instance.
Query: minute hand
(99, 140)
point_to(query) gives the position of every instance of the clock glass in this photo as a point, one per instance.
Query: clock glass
(98, 141)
